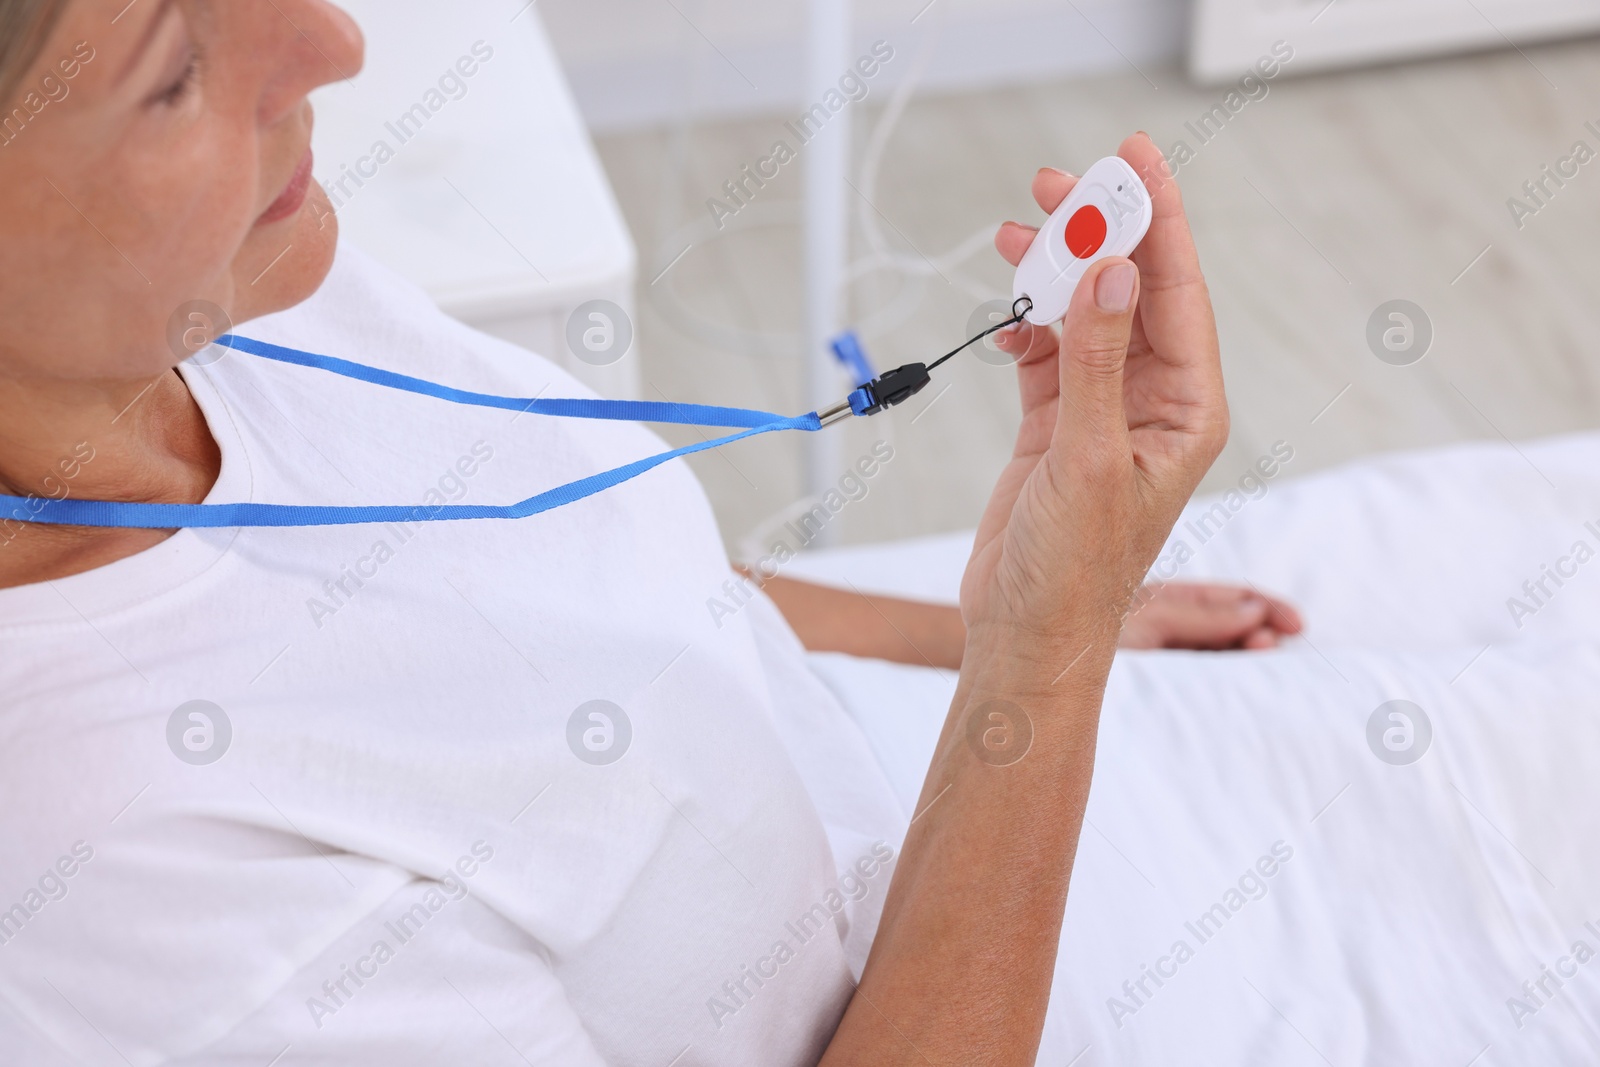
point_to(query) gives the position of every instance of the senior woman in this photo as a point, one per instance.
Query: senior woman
(238, 831)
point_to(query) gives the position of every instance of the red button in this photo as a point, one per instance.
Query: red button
(1086, 232)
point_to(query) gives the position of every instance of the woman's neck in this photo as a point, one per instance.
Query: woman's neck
(123, 440)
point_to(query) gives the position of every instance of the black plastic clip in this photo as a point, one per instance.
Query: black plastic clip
(890, 388)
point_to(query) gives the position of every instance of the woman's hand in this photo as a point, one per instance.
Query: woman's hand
(1122, 414)
(1207, 618)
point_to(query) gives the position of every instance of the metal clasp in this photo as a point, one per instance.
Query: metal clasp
(839, 412)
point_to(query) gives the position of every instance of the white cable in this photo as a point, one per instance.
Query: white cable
(663, 294)
(872, 163)
(913, 269)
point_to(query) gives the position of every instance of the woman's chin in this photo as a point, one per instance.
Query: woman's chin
(283, 263)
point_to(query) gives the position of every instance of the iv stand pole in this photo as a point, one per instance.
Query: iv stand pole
(826, 236)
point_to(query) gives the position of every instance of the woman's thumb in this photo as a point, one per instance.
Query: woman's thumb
(1094, 349)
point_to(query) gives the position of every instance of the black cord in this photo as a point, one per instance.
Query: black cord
(1016, 317)
(901, 384)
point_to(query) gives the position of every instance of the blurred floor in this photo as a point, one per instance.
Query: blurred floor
(1316, 204)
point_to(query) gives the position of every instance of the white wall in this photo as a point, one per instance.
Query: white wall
(1231, 34)
(641, 62)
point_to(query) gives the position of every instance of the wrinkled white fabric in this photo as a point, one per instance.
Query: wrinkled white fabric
(1416, 900)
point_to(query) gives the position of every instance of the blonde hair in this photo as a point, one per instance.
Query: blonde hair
(25, 25)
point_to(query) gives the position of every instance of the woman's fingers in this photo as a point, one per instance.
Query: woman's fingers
(1262, 640)
(1034, 350)
(1178, 621)
(1013, 241)
(1200, 615)
(1179, 392)
(1050, 187)
(1167, 255)
(1177, 305)
(1204, 616)
(1094, 351)
(1026, 343)
(1283, 617)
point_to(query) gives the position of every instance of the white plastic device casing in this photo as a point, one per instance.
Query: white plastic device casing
(1109, 192)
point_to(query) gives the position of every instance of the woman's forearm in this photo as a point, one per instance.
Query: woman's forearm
(1170, 615)
(877, 627)
(961, 968)
(974, 913)
(1117, 428)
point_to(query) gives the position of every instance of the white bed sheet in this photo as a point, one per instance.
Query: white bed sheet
(1418, 899)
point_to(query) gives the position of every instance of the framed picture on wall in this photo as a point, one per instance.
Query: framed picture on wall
(1230, 36)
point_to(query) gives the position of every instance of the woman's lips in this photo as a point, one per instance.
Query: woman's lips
(293, 196)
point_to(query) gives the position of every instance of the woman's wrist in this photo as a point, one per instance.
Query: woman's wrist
(1026, 650)
(1032, 669)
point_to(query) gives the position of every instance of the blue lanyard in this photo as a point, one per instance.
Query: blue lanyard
(894, 387)
(73, 512)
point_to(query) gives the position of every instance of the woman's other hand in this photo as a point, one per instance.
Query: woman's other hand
(1206, 617)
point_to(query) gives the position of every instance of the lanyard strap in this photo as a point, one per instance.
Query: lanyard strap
(619, 410)
(128, 515)
(892, 388)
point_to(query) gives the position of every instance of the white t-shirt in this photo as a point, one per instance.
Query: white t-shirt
(413, 848)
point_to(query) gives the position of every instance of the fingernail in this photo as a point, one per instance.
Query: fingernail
(1114, 289)
(1056, 170)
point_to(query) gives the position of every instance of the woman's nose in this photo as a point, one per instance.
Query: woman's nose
(324, 45)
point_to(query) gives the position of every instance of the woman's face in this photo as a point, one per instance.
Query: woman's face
(157, 154)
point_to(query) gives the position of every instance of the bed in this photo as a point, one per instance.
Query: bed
(1274, 869)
